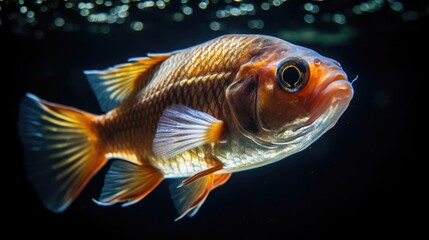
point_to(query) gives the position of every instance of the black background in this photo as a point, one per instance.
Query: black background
(350, 183)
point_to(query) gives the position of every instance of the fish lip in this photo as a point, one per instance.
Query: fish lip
(342, 89)
(335, 83)
(335, 89)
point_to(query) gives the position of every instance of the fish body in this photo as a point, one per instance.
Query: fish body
(197, 78)
(230, 104)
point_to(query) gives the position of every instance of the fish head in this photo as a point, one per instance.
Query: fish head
(288, 95)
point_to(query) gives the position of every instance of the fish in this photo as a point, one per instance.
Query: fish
(193, 116)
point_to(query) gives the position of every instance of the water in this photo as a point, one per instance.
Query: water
(347, 184)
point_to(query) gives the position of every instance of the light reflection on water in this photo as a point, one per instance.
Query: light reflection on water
(102, 17)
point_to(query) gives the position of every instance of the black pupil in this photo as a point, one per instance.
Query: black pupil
(291, 76)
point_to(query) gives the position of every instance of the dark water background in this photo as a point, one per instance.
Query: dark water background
(348, 184)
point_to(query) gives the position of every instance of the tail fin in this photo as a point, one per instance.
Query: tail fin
(61, 148)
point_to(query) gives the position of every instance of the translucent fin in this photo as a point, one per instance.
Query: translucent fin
(189, 198)
(181, 128)
(61, 150)
(128, 183)
(216, 167)
(221, 179)
(114, 85)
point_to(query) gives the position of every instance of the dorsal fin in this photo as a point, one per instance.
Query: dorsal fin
(113, 85)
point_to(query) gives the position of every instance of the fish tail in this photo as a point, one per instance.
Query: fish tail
(61, 149)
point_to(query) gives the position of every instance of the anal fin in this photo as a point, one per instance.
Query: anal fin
(128, 183)
(189, 198)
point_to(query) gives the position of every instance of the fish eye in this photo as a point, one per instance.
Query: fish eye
(292, 75)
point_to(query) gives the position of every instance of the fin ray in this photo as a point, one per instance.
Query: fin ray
(189, 198)
(181, 128)
(60, 149)
(217, 166)
(113, 85)
(128, 183)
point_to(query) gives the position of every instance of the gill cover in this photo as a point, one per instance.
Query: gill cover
(266, 97)
(241, 96)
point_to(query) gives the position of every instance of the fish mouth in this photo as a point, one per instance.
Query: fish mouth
(335, 89)
(335, 84)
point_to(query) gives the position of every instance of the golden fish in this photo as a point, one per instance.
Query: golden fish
(233, 103)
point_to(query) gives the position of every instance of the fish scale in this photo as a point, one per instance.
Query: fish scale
(196, 77)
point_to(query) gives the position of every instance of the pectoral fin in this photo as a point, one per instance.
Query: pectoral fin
(191, 197)
(181, 128)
